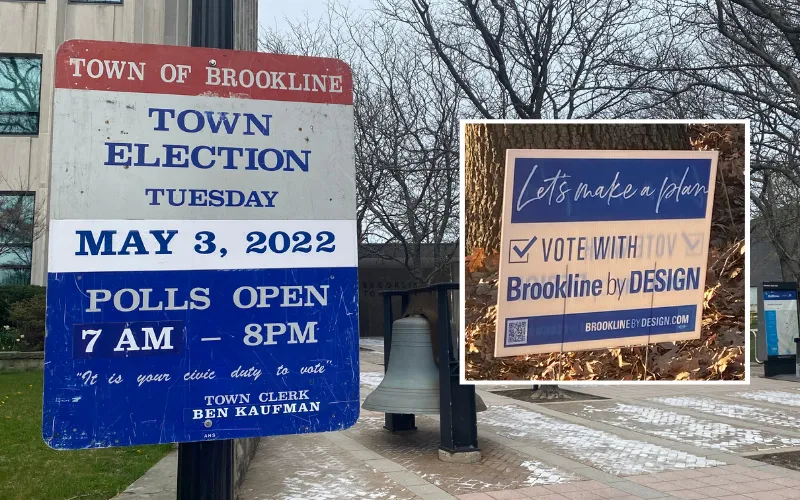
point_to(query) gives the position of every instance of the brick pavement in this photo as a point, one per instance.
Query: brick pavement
(739, 411)
(500, 467)
(702, 432)
(775, 397)
(646, 442)
(311, 466)
(727, 482)
(606, 451)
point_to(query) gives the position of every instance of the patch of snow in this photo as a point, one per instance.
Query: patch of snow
(371, 379)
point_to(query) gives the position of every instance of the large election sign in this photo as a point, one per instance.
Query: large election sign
(602, 248)
(202, 279)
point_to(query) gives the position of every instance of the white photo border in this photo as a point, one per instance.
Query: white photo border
(462, 255)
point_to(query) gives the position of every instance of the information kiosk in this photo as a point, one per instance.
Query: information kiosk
(777, 327)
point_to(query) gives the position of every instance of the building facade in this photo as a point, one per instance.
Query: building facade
(31, 32)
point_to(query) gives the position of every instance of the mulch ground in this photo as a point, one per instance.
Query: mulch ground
(787, 460)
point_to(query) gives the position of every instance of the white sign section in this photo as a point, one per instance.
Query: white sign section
(780, 321)
(602, 248)
(202, 269)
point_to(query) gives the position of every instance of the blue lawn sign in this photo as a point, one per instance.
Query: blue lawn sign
(202, 279)
(602, 248)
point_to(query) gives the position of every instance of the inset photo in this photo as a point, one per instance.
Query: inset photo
(604, 251)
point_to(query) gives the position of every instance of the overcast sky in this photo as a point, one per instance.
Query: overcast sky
(270, 11)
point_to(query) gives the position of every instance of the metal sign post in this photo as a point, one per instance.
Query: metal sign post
(202, 274)
(206, 469)
(602, 248)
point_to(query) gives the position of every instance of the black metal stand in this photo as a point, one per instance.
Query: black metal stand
(205, 469)
(458, 419)
(779, 365)
(457, 412)
(212, 24)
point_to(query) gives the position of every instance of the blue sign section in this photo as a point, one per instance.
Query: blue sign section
(609, 189)
(555, 329)
(771, 322)
(211, 355)
(780, 295)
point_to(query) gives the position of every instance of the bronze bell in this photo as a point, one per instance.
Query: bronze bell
(411, 383)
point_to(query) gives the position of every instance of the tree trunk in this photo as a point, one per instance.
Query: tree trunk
(545, 392)
(485, 152)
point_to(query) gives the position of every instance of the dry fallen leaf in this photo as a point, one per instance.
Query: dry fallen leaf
(475, 260)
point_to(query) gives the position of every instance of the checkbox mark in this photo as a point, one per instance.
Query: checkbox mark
(693, 242)
(518, 253)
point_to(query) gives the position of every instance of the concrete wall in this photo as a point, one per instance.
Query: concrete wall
(245, 25)
(160, 482)
(243, 452)
(12, 361)
(380, 268)
(372, 280)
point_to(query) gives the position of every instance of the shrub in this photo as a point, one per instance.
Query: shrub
(8, 338)
(11, 294)
(28, 316)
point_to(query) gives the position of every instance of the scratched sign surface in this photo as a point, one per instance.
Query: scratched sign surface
(602, 248)
(202, 279)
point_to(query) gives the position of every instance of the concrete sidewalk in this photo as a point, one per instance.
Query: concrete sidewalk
(653, 442)
(641, 442)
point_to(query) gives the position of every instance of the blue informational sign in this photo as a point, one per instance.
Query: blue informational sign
(215, 298)
(780, 321)
(602, 248)
(238, 356)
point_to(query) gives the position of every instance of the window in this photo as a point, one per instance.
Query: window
(17, 230)
(20, 84)
(96, 1)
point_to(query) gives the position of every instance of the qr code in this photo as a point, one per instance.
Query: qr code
(516, 331)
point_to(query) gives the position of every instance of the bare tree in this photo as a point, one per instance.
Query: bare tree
(737, 59)
(406, 121)
(757, 68)
(535, 58)
(776, 216)
(748, 53)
